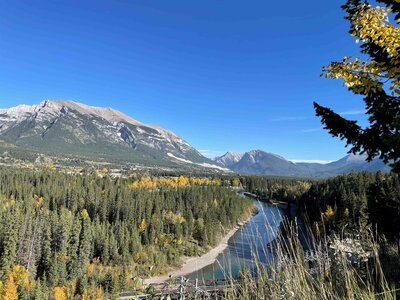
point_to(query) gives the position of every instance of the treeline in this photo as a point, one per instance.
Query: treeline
(276, 188)
(357, 205)
(64, 236)
(356, 200)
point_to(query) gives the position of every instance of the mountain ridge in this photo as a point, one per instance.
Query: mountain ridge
(69, 127)
(72, 128)
(259, 162)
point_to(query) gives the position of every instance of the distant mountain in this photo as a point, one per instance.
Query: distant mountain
(66, 127)
(58, 127)
(262, 163)
(351, 159)
(229, 159)
(354, 162)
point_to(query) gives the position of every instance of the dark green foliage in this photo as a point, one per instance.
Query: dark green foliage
(9, 240)
(40, 291)
(357, 199)
(73, 221)
(343, 192)
(381, 138)
(384, 204)
(276, 188)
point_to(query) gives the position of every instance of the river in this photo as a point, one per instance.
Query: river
(250, 241)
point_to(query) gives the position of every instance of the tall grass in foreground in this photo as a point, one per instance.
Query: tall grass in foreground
(325, 274)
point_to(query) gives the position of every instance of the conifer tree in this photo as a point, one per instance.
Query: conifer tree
(376, 78)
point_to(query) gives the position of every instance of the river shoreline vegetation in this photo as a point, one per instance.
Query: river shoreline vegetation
(351, 224)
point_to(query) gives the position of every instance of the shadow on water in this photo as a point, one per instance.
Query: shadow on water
(248, 242)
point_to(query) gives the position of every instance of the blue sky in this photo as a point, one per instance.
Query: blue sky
(224, 75)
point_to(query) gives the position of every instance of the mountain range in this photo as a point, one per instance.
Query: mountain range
(72, 129)
(263, 163)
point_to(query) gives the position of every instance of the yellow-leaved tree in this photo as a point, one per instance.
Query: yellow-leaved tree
(17, 277)
(9, 289)
(60, 293)
(376, 77)
(142, 226)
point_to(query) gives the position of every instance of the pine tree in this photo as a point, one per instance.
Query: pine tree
(40, 291)
(10, 243)
(85, 241)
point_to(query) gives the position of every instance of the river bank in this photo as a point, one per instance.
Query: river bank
(193, 264)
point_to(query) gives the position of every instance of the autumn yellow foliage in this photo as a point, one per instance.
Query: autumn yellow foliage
(17, 277)
(173, 218)
(92, 293)
(9, 289)
(329, 213)
(146, 182)
(142, 226)
(38, 200)
(60, 293)
(371, 25)
(21, 277)
(84, 214)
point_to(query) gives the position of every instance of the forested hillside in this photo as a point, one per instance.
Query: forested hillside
(355, 206)
(356, 199)
(63, 235)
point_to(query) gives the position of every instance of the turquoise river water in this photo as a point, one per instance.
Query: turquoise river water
(249, 241)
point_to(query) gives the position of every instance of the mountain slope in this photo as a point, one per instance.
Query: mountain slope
(66, 127)
(262, 163)
(229, 159)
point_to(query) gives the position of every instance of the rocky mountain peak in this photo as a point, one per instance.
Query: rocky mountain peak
(73, 127)
(229, 158)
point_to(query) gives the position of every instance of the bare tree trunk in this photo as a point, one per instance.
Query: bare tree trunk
(33, 250)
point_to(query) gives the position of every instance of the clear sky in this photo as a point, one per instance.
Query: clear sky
(224, 75)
